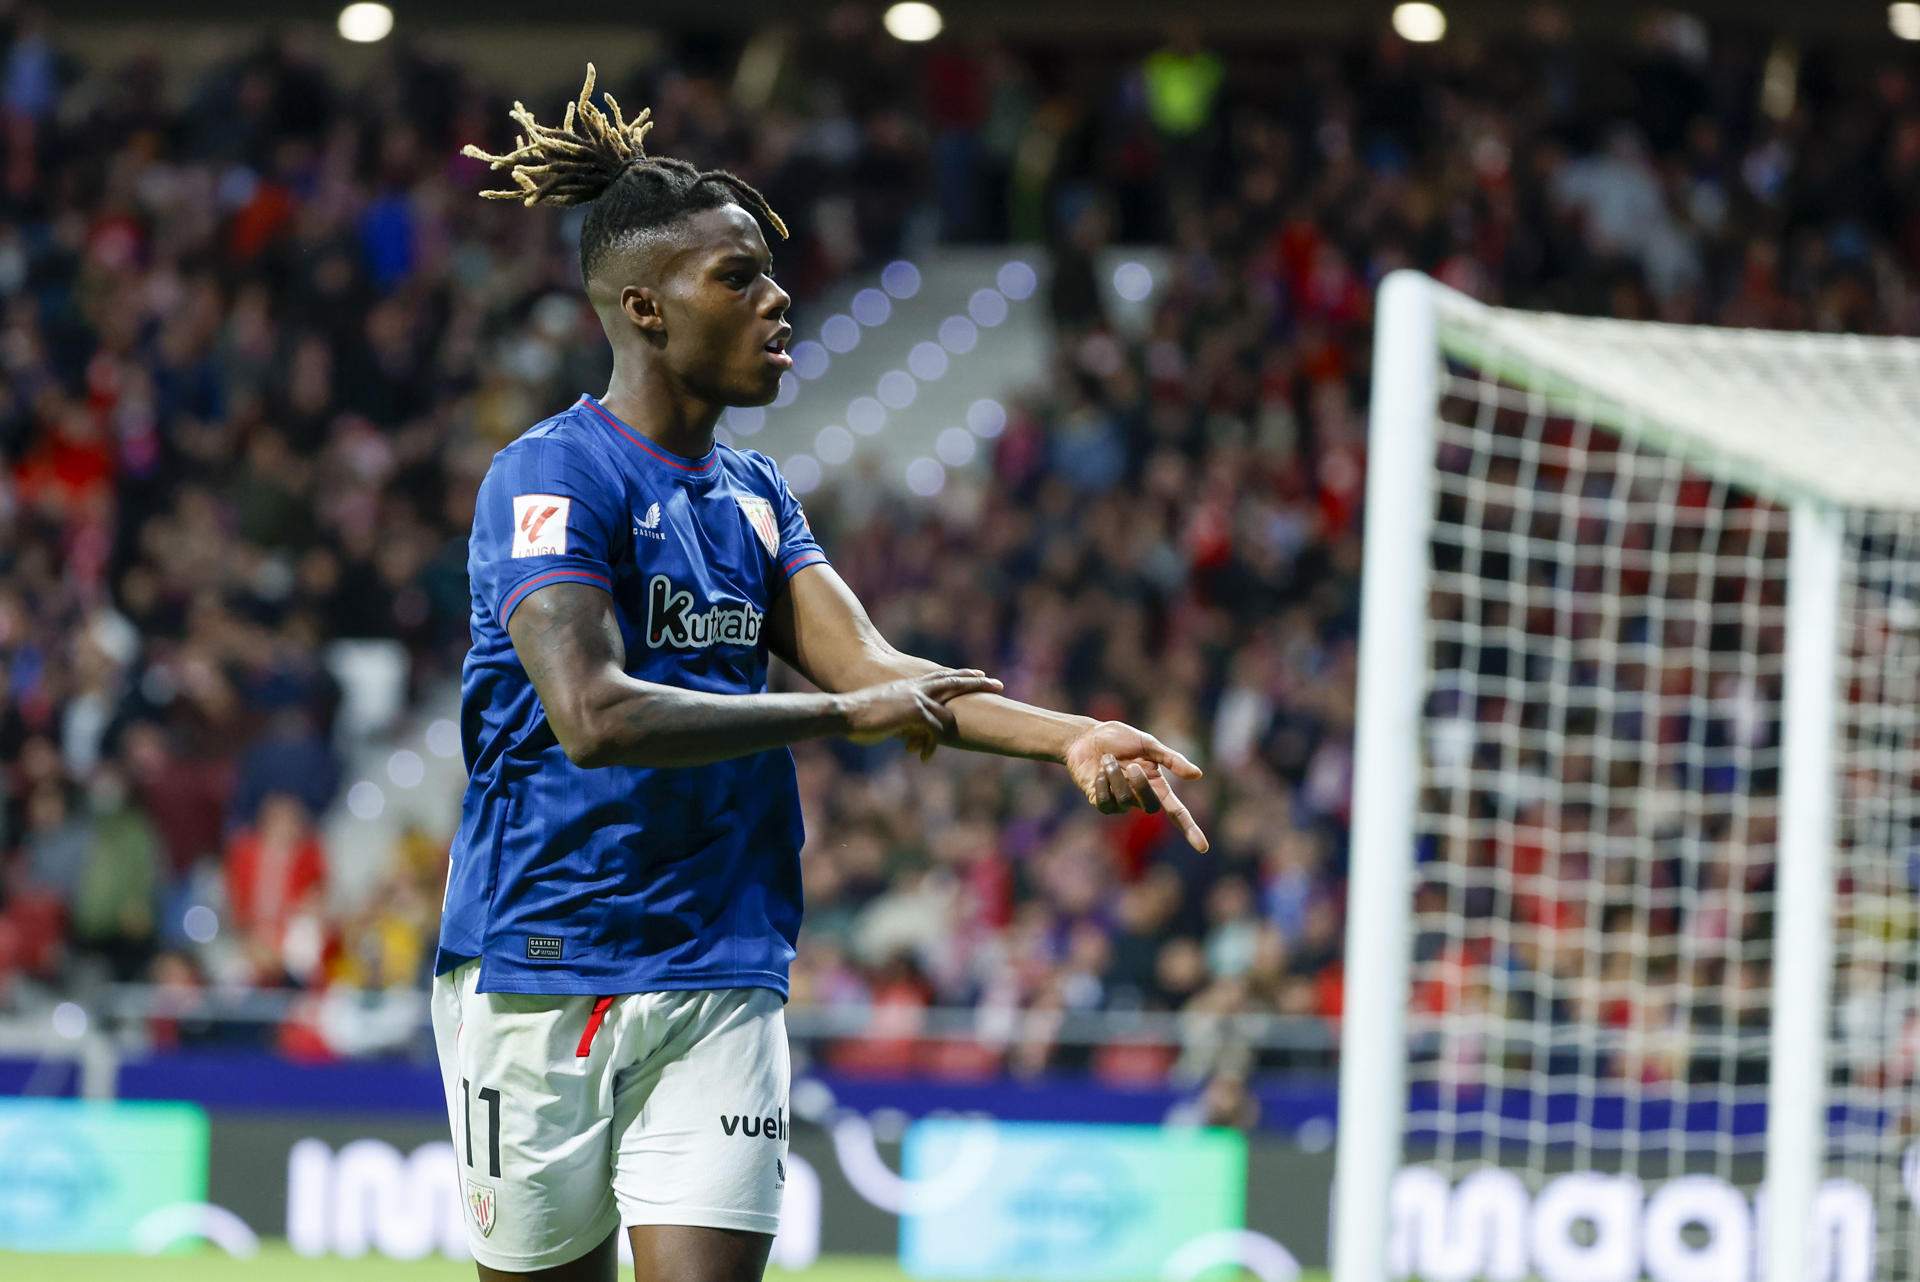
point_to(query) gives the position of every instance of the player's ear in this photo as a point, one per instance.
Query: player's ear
(641, 306)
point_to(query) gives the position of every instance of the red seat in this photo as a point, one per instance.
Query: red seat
(40, 936)
(959, 1060)
(1134, 1063)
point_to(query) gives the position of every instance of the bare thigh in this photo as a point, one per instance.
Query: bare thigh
(682, 1253)
(602, 1264)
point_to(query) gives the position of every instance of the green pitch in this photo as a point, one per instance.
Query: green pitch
(276, 1263)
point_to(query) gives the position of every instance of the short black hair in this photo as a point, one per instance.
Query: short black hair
(596, 159)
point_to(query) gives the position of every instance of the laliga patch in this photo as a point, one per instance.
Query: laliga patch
(760, 517)
(540, 524)
(481, 1205)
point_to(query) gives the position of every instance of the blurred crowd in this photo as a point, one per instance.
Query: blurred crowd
(258, 341)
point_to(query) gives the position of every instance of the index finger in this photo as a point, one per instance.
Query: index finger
(1177, 810)
(952, 685)
(1161, 753)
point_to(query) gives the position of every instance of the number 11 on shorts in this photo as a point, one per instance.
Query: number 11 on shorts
(492, 1098)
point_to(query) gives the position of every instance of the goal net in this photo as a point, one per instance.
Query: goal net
(1633, 935)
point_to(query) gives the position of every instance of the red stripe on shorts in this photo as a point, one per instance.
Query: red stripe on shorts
(600, 1007)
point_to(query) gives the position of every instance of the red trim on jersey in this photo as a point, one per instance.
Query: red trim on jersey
(522, 589)
(654, 450)
(600, 1007)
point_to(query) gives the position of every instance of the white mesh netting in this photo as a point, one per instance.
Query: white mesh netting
(1591, 985)
(1874, 1047)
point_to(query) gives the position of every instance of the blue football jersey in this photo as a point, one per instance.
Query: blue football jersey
(625, 879)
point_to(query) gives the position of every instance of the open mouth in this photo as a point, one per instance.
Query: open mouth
(776, 350)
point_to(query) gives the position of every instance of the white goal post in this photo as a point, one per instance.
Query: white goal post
(1633, 938)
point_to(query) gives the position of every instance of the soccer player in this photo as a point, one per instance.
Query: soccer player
(625, 885)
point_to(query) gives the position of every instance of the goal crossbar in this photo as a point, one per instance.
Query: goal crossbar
(1754, 406)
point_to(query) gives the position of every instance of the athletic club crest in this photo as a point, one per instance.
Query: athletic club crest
(760, 517)
(480, 1205)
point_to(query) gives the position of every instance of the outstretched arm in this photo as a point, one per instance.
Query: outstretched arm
(569, 641)
(821, 628)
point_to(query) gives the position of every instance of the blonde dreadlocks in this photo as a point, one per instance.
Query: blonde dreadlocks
(596, 158)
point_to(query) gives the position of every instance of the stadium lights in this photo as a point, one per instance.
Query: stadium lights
(956, 447)
(443, 738)
(834, 444)
(406, 769)
(1903, 20)
(365, 22)
(366, 800)
(926, 477)
(803, 473)
(1133, 281)
(200, 923)
(897, 389)
(912, 21)
(70, 1020)
(1419, 23)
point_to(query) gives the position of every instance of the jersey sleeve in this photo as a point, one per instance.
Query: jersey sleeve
(798, 548)
(544, 515)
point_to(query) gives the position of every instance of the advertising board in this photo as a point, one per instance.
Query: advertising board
(1063, 1202)
(951, 1198)
(97, 1177)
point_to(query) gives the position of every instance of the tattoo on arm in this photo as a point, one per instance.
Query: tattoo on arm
(563, 631)
(568, 640)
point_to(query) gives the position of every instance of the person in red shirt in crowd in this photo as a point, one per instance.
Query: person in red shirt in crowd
(276, 874)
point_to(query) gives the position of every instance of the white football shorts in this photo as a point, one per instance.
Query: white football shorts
(572, 1115)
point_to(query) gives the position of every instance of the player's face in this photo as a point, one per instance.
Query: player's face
(726, 325)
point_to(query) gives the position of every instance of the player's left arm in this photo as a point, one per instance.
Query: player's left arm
(819, 626)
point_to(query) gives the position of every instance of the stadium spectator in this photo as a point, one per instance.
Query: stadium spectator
(116, 899)
(276, 881)
(252, 366)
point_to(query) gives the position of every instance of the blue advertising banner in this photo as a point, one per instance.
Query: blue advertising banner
(85, 1176)
(1064, 1203)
